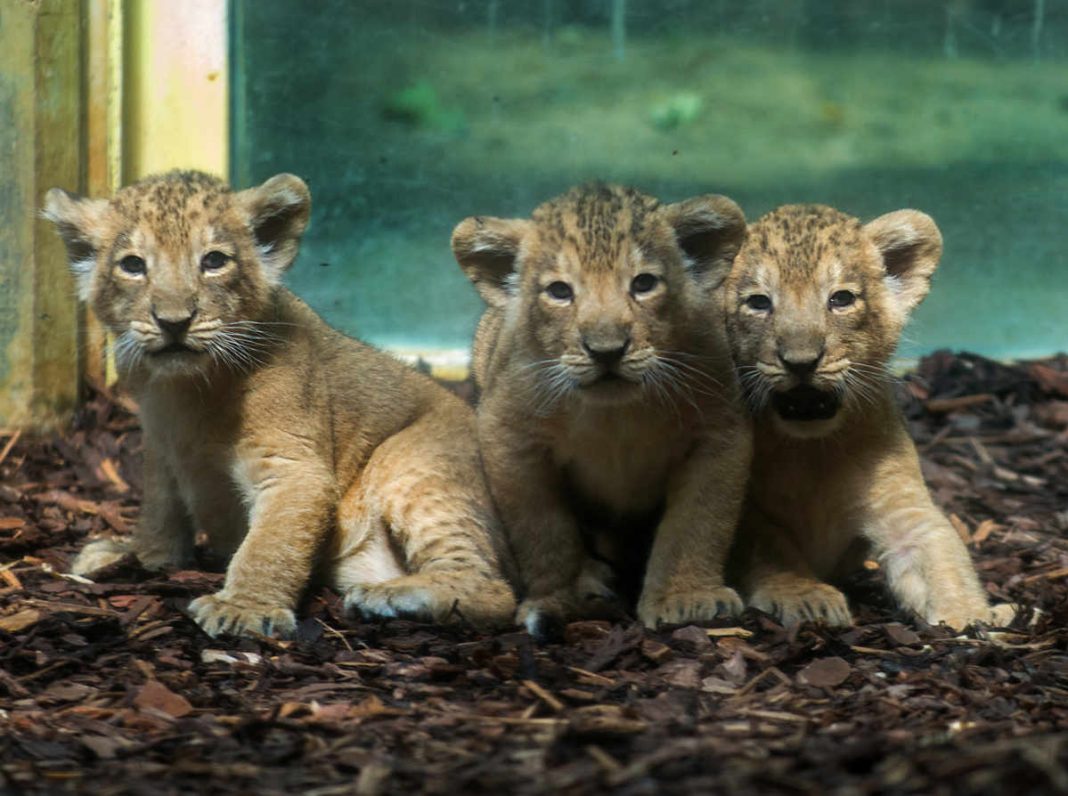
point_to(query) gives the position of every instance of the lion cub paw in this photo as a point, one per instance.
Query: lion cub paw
(807, 602)
(685, 608)
(999, 615)
(217, 615)
(487, 602)
(99, 554)
(1002, 614)
(406, 597)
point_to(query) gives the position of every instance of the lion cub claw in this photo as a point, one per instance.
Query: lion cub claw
(811, 602)
(218, 615)
(685, 608)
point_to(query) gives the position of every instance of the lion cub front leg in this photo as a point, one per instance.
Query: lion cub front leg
(294, 500)
(559, 582)
(164, 535)
(684, 580)
(928, 568)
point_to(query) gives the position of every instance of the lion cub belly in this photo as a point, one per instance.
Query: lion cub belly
(621, 462)
(815, 510)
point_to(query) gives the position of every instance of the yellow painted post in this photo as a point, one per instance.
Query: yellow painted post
(103, 143)
(40, 147)
(176, 100)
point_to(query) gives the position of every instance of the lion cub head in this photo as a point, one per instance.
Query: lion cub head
(816, 305)
(180, 268)
(601, 290)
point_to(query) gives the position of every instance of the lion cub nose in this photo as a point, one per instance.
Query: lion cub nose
(174, 325)
(605, 353)
(801, 364)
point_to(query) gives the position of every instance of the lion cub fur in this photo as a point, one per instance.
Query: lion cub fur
(607, 396)
(294, 447)
(816, 305)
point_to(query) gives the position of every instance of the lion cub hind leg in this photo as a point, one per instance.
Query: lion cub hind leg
(164, 535)
(99, 554)
(589, 597)
(423, 498)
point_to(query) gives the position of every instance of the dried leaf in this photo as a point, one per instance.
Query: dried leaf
(825, 673)
(692, 638)
(900, 634)
(157, 696)
(683, 673)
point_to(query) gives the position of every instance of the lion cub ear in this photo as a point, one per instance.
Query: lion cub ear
(79, 221)
(911, 245)
(487, 249)
(710, 230)
(277, 214)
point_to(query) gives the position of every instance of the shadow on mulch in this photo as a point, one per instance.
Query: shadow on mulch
(108, 687)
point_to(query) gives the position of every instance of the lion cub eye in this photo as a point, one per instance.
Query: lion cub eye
(758, 302)
(842, 298)
(561, 291)
(643, 283)
(133, 265)
(213, 261)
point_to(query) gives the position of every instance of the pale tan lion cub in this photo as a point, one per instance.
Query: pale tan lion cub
(607, 401)
(816, 304)
(292, 446)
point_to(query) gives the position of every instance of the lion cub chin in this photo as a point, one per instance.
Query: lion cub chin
(293, 447)
(608, 404)
(816, 305)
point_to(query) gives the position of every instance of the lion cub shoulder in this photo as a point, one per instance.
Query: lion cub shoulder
(608, 399)
(816, 305)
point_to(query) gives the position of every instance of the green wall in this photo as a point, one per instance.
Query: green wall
(406, 117)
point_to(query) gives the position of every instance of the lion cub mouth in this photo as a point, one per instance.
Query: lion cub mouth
(173, 348)
(806, 402)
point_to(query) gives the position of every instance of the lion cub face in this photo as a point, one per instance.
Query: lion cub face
(816, 305)
(603, 286)
(179, 268)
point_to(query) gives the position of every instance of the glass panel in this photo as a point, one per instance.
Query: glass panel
(405, 117)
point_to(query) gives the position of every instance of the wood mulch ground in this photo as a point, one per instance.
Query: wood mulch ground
(108, 687)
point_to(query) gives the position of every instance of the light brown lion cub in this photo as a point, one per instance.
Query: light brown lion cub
(816, 305)
(292, 446)
(608, 405)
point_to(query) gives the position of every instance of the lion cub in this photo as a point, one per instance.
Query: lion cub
(292, 446)
(608, 405)
(816, 304)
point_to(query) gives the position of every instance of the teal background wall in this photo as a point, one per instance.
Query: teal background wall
(405, 117)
